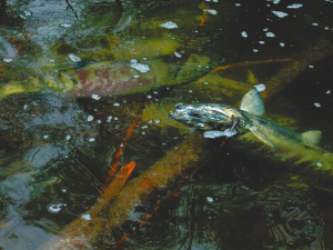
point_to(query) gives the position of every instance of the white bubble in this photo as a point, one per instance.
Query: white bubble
(56, 207)
(211, 11)
(7, 60)
(282, 44)
(65, 25)
(295, 6)
(27, 13)
(169, 25)
(328, 92)
(68, 137)
(210, 199)
(270, 34)
(96, 97)
(90, 118)
(74, 58)
(280, 14)
(109, 119)
(178, 55)
(86, 216)
(116, 104)
(317, 104)
(143, 68)
(91, 139)
(244, 34)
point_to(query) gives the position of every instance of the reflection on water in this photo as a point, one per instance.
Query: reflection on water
(90, 157)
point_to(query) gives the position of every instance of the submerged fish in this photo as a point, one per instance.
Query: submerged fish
(219, 120)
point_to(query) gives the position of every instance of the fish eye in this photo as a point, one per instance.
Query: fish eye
(179, 106)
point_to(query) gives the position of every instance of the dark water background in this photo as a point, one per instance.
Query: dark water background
(54, 158)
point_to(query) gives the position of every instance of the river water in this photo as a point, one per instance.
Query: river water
(91, 159)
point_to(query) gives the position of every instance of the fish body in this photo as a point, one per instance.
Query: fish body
(219, 120)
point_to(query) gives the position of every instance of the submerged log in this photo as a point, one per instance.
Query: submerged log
(81, 232)
(321, 50)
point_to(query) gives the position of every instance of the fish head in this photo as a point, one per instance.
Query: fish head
(204, 116)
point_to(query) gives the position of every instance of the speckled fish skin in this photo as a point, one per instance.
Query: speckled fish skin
(209, 116)
(220, 117)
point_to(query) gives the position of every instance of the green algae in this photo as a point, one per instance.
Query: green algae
(194, 67)
(217, 88)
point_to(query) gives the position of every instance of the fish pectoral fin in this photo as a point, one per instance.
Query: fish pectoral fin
(261, 136)
(312, 137)
(253, 103)
(212, 134)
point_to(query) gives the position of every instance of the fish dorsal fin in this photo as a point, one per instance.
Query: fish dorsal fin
(311, 137)
(253, 103)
